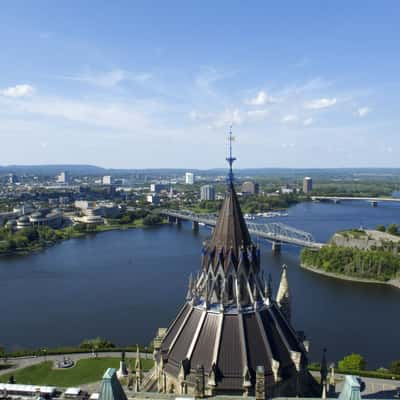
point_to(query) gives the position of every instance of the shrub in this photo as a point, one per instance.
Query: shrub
(96, 343)
(352, 362)
(393, 229)
(395, 367)
(152, 219)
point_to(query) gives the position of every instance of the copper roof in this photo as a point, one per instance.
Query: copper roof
(231, 229)
(246, 340)
(231, 241)
(228, 327)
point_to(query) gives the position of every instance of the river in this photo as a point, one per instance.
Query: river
(123, 285)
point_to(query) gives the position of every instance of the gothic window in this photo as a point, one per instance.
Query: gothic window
(242, 287)
(230, 287)
(218, 289)
(251, 283)
(209, 283)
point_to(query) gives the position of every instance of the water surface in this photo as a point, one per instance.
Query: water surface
(123, 285)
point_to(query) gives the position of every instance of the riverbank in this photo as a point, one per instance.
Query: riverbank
(391, 282)
(68, 233)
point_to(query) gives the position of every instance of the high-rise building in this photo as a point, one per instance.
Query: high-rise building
(250, 188)
(307, 184)
(189, 178)
(231, 334)
(107, 180)
(153, 199)
(156, 187)
(62, 177)
(12, 178)
(207, 192)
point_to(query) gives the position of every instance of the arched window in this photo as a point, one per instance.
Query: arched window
(218, 289)
(230, 287)
(209, 282)
(251, 283)
(242, 288)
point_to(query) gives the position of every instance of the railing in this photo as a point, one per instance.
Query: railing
(274, 231)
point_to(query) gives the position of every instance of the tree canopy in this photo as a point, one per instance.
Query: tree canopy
(353, 362)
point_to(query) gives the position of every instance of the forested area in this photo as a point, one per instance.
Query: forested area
(367, 264)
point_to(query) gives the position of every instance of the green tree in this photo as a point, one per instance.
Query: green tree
(80, 228)
(395, 367)
(5, 246)
(20, 240)
(393, 229)
(380, 228)
(353, 362)
(152, 219)
(47, 234)
(125, 219)
(96, 343)
(31, 234)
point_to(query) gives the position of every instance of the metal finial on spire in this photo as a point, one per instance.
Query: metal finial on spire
(230, 159)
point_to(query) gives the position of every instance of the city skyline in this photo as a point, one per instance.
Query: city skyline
(144, 85)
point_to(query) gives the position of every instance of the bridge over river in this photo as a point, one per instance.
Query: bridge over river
(274, 232)
(373, 200)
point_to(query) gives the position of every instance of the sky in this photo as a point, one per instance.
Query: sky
(146, 84)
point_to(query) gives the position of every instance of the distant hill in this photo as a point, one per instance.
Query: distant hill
(51, 169)
(82, 169)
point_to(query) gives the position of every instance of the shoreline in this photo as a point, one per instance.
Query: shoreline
(392, 282)
(78, 235)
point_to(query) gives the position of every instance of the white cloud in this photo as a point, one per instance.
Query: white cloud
(363, 111)
(260, 99)
(257, 114)
(110, 115)
(311, 85)
(206, 79)
(199, 116)
(229, 117)
(110, 78)
(308, 122)
(289, 118)
(320, 103)
(23, 90)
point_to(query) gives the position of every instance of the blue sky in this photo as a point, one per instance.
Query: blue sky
(140, 84)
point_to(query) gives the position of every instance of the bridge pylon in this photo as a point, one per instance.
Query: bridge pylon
(276, 247)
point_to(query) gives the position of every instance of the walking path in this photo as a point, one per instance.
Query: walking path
(22, 362)
(371, 388)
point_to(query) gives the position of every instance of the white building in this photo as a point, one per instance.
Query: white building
(207, 192)
(100, 208)
(153, 199)
(156, 187)
(189, 178)
(107, 180)
(287, 190)
(62, 177)
(307, 184)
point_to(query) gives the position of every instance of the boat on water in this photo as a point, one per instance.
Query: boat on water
(272, 214)
(249, 217)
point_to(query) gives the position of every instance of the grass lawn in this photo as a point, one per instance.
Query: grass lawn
(85, 371)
